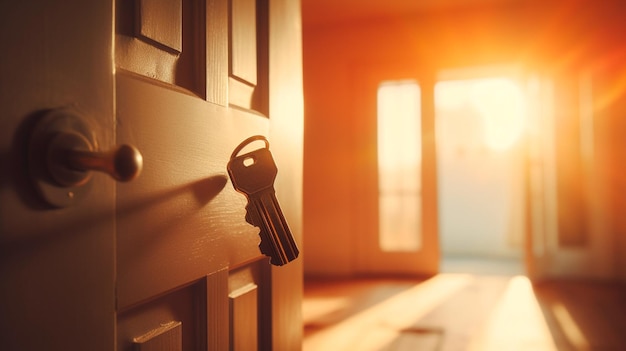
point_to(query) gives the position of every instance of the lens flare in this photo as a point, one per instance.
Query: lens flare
(500, 102)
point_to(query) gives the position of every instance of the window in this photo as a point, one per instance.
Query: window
(399, 166)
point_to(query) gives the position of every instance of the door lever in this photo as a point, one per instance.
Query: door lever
(62, 153)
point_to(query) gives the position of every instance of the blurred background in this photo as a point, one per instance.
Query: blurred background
(479, 138)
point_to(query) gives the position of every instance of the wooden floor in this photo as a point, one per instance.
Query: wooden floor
(463, 311)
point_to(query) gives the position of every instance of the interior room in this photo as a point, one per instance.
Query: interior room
(193, 175)
(462, 175)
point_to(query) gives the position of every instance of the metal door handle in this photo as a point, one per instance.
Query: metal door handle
(63, 151)
(71, 157)
(123, 163)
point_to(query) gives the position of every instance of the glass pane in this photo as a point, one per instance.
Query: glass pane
(399, 166)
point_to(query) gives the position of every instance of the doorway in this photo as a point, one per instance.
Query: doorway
(480, 124)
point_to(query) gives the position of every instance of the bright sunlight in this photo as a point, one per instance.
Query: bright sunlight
(499, 101)
(399, 165)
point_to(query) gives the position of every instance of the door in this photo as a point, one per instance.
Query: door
(481, 115)
(167, 260)
(374, 256)
(184, 250)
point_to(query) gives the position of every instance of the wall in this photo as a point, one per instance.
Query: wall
(560, 38)
(612, 109)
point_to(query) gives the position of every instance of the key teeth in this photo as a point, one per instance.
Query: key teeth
(249, 217)
(263, 247)
(266, 250)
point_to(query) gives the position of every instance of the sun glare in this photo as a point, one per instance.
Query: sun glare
(515, 322)
(498, 101)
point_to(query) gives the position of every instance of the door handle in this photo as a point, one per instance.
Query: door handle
(71, 157)
(63, 152)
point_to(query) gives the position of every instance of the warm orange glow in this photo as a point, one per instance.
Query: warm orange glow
(479, 313)
(499, 101)
(515, 320)
(367, 330)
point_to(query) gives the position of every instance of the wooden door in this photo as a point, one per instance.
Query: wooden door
(168, 260)
(218, 72)
(371, 258)
(57, 265)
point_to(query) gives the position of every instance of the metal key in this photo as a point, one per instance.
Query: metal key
(253, 175)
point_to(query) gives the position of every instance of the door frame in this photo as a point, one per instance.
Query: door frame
(369, 258)
(518, 74)
(546, 257)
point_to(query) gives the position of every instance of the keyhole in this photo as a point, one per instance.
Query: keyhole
(248, 161)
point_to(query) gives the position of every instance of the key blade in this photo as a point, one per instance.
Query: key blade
(276, 235)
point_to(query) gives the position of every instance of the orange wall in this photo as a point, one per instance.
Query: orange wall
(562, 38)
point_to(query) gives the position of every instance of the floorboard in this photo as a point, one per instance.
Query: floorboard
(463, 311)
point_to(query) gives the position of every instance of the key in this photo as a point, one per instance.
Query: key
(253, 175)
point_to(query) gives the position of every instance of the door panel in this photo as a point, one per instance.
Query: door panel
(182, 218)
(165, 40)
(370, 258)
(248, 293)
(182, 308)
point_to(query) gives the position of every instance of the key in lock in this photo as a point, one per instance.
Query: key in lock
(253, 175)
